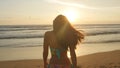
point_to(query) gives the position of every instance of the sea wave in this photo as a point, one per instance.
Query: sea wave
(95, 34)
(102, 33)
(17, 46)
(25, 27)
(49, 27)
(38, 45)
(105, 41)
(40, 34)
(21, 37)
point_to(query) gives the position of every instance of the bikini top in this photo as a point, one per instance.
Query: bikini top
(56, 51)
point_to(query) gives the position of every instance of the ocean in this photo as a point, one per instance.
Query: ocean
(25, 41)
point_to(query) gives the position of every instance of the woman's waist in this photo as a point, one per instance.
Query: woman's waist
(62, 57)
(61, 60)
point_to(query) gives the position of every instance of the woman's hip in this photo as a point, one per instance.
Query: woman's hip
(60, 61)
(59, 66)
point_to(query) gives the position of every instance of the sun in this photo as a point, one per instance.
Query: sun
(71, 14)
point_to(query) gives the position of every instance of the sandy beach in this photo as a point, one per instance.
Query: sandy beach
(109, 59)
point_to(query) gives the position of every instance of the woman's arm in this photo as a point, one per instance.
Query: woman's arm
(45, 50)
(73, 56)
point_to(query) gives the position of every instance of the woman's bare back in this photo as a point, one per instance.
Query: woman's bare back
(52, 39)
(53, 44)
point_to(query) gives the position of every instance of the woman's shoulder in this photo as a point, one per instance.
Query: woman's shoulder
(48, 33)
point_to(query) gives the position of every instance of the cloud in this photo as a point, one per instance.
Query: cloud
(89, 4)
(70, 4)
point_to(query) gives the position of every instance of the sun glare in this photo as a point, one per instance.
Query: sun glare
(71, 14)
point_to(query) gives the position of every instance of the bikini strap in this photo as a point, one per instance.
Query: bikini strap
(57, 52)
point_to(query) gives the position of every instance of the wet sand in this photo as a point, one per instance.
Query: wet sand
(109, 59)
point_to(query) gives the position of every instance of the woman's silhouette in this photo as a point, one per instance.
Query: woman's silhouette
(59, 40)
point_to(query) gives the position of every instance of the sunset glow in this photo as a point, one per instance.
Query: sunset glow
(37, 12)
(71, 14)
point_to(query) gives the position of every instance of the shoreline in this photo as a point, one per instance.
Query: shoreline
(102, 59)
(36, 52)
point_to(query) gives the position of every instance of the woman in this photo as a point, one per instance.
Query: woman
(59, 40)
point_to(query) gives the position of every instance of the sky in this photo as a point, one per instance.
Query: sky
(35, 12)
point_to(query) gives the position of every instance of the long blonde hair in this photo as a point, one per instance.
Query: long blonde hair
(65, 33)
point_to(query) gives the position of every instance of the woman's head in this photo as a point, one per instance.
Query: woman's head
(65, 33)
(60, 22)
